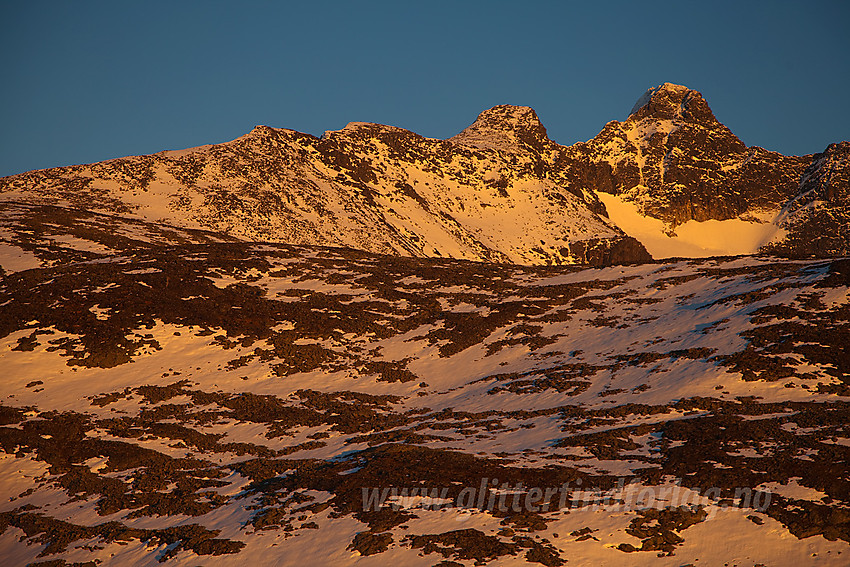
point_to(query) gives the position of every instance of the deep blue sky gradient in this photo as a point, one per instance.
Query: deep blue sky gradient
(91, 80)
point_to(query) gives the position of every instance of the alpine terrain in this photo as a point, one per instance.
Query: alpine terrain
(373, 348)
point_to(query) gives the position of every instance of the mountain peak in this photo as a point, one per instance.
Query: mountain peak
(505, 127)
(669, 102)
(510, 115)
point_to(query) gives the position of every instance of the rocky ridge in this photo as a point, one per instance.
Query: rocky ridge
(367, 186)
(499, 191)
(818, 217)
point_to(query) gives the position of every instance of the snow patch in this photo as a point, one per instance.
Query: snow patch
(693, 239)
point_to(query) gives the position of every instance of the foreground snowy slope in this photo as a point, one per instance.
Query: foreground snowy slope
(230, 402)
(670, 179)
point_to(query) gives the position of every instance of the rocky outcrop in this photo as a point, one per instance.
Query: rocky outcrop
(607, 252)
(818, 218)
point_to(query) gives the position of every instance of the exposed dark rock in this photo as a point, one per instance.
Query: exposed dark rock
(597, 252)
(818, 218)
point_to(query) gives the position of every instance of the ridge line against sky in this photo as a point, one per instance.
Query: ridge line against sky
(89, 81)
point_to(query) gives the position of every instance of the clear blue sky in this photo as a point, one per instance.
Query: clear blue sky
(84, 81)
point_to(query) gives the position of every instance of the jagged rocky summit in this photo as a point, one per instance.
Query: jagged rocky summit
(679, 163)
(499, 191)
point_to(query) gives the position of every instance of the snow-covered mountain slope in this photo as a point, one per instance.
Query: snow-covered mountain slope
(367, 186)
(227, 403)
(501, 190)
